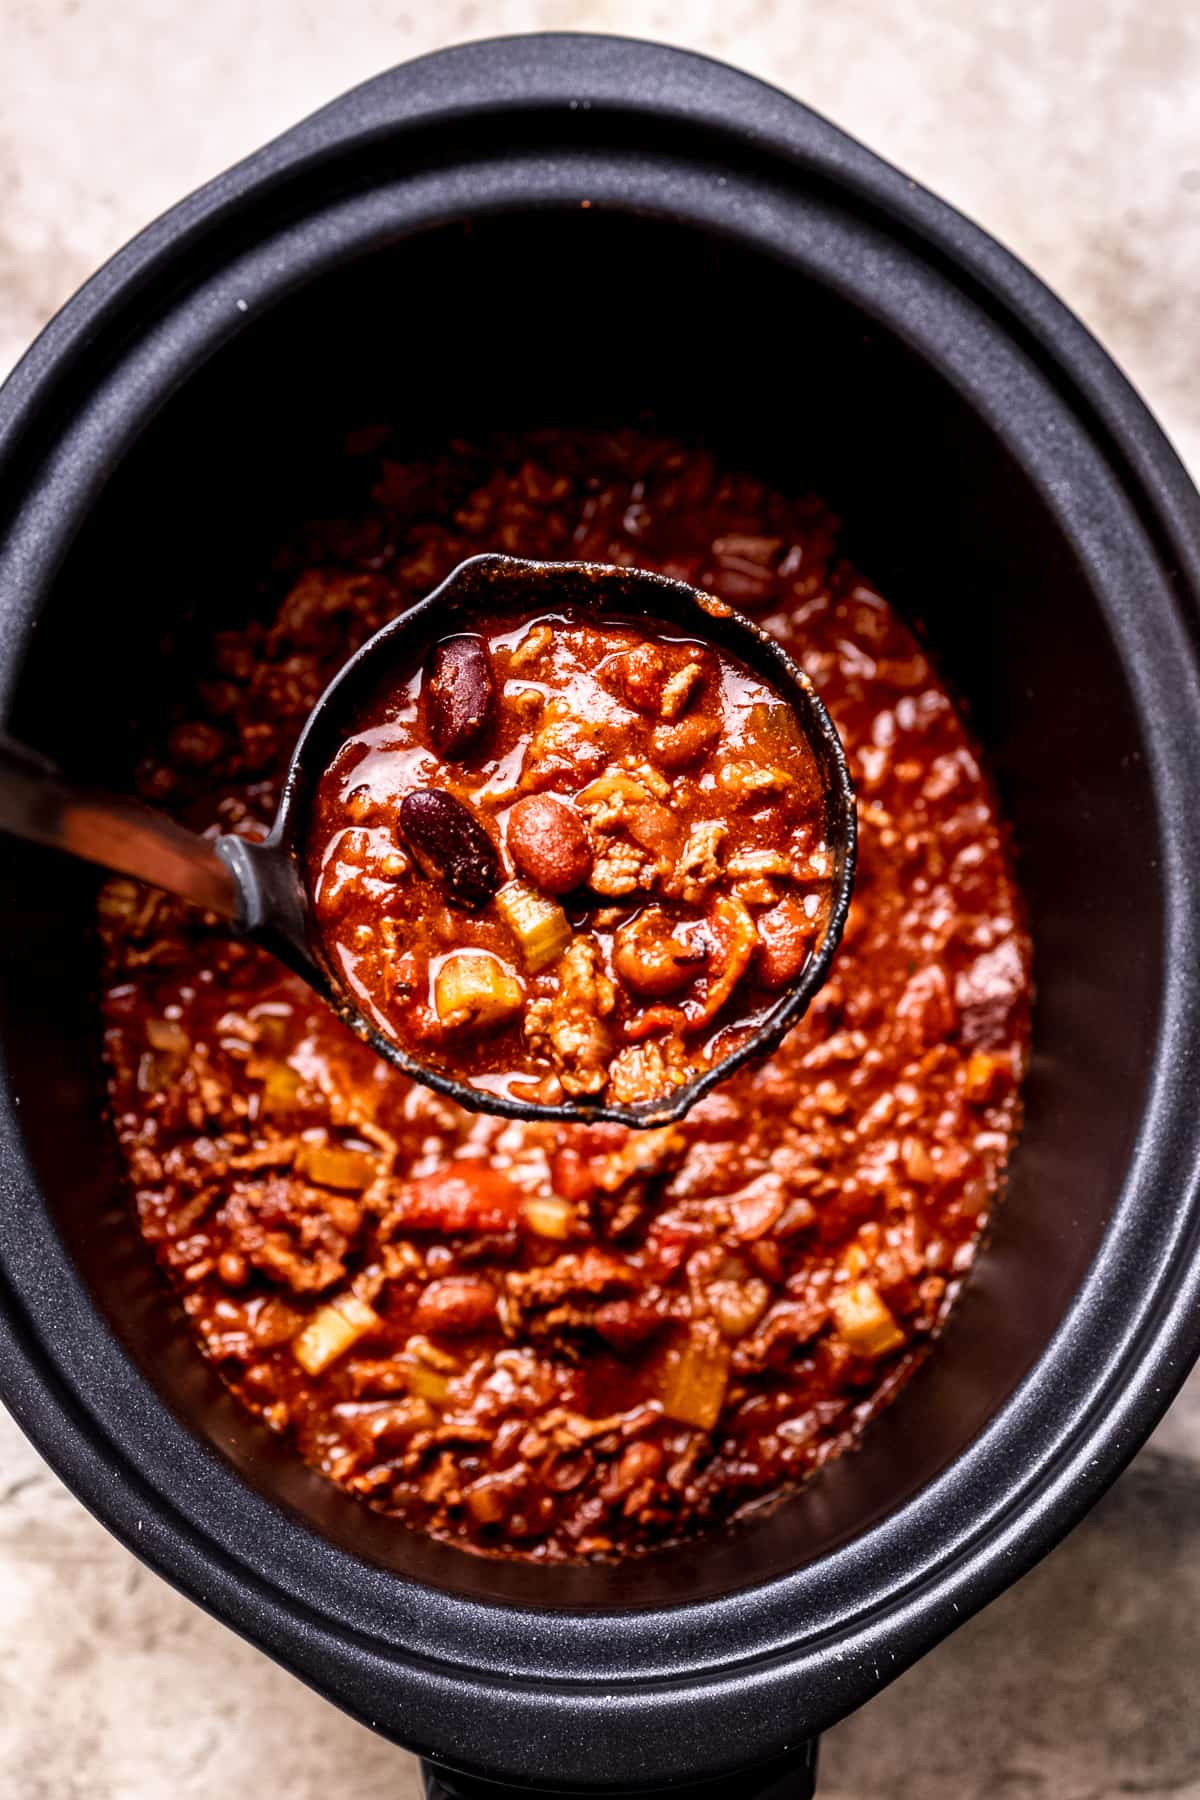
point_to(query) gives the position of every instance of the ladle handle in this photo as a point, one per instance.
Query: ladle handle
(38, 803)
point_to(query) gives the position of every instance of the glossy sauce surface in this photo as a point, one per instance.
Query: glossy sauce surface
(586, 1342)
(571, 857)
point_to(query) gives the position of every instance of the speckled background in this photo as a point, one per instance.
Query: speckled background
(1070, 129)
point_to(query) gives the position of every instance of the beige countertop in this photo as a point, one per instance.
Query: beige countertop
(1071, 130)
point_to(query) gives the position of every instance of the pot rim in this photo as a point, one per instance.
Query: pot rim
(777, 1671)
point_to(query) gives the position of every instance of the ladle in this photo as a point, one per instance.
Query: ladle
(260, 887)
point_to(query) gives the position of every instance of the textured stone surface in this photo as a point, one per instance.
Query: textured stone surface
(1076, 1685)
(1071, 129)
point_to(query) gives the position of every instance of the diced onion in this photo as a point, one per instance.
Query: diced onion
(864, 1321)
(331, 1331)
(615, 786)
(696, 1376)
(333, 1166)
(548, 1216)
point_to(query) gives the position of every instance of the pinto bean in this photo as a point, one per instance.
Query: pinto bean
(639, 1462)
(548, 841)
(655, 679)
(785, 935)
(457, 1303)
(683, 742)
(639, 676)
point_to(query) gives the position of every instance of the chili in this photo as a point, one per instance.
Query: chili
(539, 863)
(576, 1342)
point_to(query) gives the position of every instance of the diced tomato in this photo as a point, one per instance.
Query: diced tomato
(664, 1251)
(572, 1167)
(655, 1018)
(465, 1196)
(571, 1175)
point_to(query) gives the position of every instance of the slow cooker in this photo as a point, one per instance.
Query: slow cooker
(586, 229)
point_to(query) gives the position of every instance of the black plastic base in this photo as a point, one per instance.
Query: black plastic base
(794, 1778)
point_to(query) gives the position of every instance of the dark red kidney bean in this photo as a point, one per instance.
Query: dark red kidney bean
(460, 696)
(196, 744)
(451, 845)
(624, 1323)
(548, 842)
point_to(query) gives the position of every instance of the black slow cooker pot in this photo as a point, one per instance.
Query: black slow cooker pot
(567, 229)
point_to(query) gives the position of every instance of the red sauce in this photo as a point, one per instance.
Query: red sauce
(561, 1343)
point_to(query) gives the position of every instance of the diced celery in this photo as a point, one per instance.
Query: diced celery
(428, 1383)
(474, 991)
(539, 924)
(776, 725)
(281, 1089)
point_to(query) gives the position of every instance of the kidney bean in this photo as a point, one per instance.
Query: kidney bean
(450, 844)
(624, 1323)
(785, 935)
(456, 1303)
(548, 841)
(460, 696)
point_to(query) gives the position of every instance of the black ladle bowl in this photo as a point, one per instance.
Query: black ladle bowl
(261, 887)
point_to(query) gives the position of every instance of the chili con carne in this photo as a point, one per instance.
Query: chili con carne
(576, 1342)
